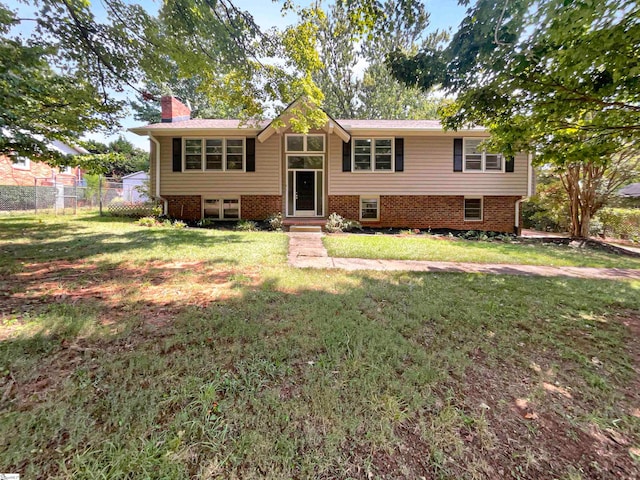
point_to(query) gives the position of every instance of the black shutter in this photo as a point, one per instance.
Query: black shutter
(399, 154)
(251, 155)
(457, 154)
(509, 164)
(177, 154)
(346, 156)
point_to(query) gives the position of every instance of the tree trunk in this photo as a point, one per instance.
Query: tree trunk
(581, 181)
(589, 184)
(585, 223)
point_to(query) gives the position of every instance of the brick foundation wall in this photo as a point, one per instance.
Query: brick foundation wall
(259, 207)
(346, 205)
(184, 207)
(415, 211)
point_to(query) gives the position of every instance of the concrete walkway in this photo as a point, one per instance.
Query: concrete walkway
(306, 250)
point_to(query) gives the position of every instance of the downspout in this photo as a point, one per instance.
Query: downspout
(517, 229)
(165, 206)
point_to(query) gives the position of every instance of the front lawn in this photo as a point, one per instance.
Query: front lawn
(109, 242)
(424, 247)
(128, 352)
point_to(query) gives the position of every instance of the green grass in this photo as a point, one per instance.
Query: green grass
(424, 247)
(112, 241)
(238, 366)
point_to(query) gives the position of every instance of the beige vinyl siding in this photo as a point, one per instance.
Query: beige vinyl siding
(264, 181)
(428, 170)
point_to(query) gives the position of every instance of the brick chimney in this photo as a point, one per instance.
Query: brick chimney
(173, 110)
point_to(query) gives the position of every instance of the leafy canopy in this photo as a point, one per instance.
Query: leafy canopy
(373, 92)
(559, 78)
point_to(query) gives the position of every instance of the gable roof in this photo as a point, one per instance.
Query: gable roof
(391, 124)
(631, 190)
(344, 128)
(331, 126)
(135, 174)
(200, 124)
(66, 149)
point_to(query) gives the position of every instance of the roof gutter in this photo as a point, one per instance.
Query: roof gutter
(165, 206)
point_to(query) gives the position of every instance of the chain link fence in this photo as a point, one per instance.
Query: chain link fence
(46, 196)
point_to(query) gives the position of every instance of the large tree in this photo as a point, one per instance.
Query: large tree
(561, 79)
(355, 80)
(120, 157)
(40, 103)
(69, 76)
(146, 106)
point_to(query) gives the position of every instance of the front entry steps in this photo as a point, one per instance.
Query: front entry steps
(304, 224)
(305, 228)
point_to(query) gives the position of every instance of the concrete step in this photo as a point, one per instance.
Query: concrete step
(306, 228)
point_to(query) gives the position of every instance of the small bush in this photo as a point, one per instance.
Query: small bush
(482, 236)
(179, 224)
(247, 226)
(336, 223)
(206, 223)
(275, 222)
(148, 222)
(621, 223)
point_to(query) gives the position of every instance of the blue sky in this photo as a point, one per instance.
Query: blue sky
(445, 14)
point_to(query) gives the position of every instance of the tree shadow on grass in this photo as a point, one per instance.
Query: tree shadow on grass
(86, 245)
(351, 370)
(15, 228)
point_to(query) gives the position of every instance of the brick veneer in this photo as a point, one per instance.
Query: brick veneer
(252, 207)
(259, 207)
(184, 207)
(346, 205)
(173, 110)
(45, 174)
(424, 211)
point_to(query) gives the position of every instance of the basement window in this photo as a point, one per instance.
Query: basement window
(473, 209)
(221, 208)
(369, 208)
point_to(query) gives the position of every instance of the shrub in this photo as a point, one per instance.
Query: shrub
(206, 223)
(246, 226)
(620, 223)
(336, 223)
(179, 224)
(148, 222)
(275, 222)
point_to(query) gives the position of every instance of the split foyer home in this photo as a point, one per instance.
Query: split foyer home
(383, 173)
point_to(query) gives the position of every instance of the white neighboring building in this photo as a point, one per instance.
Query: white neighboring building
(130, 184)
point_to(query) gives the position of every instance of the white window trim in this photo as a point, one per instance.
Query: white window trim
(304, 143)
(464, 210)
(482, 160)
(372, 158)
(26, 166)
(203, 154)
(367, 197)
(221, 199)
(65, 170)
